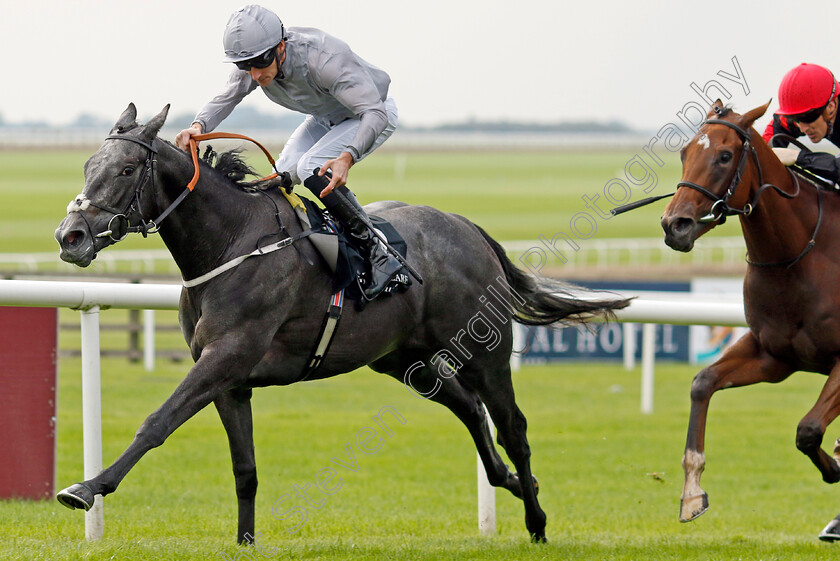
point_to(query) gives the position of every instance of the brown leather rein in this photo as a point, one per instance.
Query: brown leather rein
(119, 226)
(194, 140)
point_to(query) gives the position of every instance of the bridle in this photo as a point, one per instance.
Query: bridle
(722, 203)
(720, 207)
(119, 226)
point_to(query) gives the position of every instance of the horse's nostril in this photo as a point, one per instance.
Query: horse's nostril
(682, 225)
(74, 238)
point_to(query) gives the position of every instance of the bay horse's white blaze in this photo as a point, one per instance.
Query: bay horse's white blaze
(703, 141)
(693, 501)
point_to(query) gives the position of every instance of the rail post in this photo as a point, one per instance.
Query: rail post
(486, 492)
(149, 340)
(92, 415)
(648, 361)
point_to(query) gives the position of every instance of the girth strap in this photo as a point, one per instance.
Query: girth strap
(270, 248)
(328, 329)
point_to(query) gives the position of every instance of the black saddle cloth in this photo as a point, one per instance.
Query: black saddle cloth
(351, 264)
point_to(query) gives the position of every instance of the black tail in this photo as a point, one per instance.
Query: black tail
(542, 301)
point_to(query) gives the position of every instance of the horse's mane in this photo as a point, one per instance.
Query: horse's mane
(233, 167)
(230, 164)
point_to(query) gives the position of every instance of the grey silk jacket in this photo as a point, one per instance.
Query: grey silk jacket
(321, 77)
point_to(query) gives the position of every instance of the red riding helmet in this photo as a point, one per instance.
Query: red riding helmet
(805, 88)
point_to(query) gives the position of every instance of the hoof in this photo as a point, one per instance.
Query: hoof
(693, 507)
(831, 533)
(538, 538)
(76, 496)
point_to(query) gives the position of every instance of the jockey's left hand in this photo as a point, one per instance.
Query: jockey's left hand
(340, 168)
(787, 155)
(182, 140)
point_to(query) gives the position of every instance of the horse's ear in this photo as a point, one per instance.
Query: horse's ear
(151, 128)
(127, 121)
(748, 118)
(715, 110)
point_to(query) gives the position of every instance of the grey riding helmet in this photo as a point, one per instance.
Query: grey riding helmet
(250, 31)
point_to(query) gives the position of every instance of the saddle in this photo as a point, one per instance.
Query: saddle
(348, 266)
(338, 250)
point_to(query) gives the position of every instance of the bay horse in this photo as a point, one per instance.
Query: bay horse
(791, 300)
(253, 325)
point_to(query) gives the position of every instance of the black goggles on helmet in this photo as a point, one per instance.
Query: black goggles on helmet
(260, 61)
(808, 116)
(813, 114)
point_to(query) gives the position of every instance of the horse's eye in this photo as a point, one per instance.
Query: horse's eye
(725, 157)
(127, 171)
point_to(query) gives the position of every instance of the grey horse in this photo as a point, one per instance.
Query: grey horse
(253, 325)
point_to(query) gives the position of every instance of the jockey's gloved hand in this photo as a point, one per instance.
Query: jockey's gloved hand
(787, 155)
(285, 180)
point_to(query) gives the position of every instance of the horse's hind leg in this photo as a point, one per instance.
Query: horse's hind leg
(466, 405)
(234, 407)
(497, 394)
(811, 429)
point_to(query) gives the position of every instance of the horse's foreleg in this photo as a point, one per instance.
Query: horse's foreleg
(743, 364)
(811, 429)
(222, 365)
(234, 407)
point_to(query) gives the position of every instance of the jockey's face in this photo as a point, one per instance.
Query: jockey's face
(819, 129)
(264, 76)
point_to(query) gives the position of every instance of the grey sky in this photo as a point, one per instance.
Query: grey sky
(534, 60)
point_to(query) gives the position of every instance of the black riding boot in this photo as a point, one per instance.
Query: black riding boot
(343, 205)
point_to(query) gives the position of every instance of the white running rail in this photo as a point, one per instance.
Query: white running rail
(600, 254)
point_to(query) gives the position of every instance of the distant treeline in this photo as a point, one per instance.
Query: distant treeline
(249, 118)
(514, 126)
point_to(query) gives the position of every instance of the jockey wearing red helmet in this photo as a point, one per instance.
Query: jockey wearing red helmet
(808, 100)
(808, 106)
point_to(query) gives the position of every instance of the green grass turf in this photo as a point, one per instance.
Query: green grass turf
(513, 195)
(415, 498)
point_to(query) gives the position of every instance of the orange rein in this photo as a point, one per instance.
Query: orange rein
(195, 139)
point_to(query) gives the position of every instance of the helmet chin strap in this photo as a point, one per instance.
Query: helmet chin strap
(830, 122)
(279, 60)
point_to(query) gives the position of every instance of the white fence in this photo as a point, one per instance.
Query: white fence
(131, 262)
(641, 253)
(89, 298)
